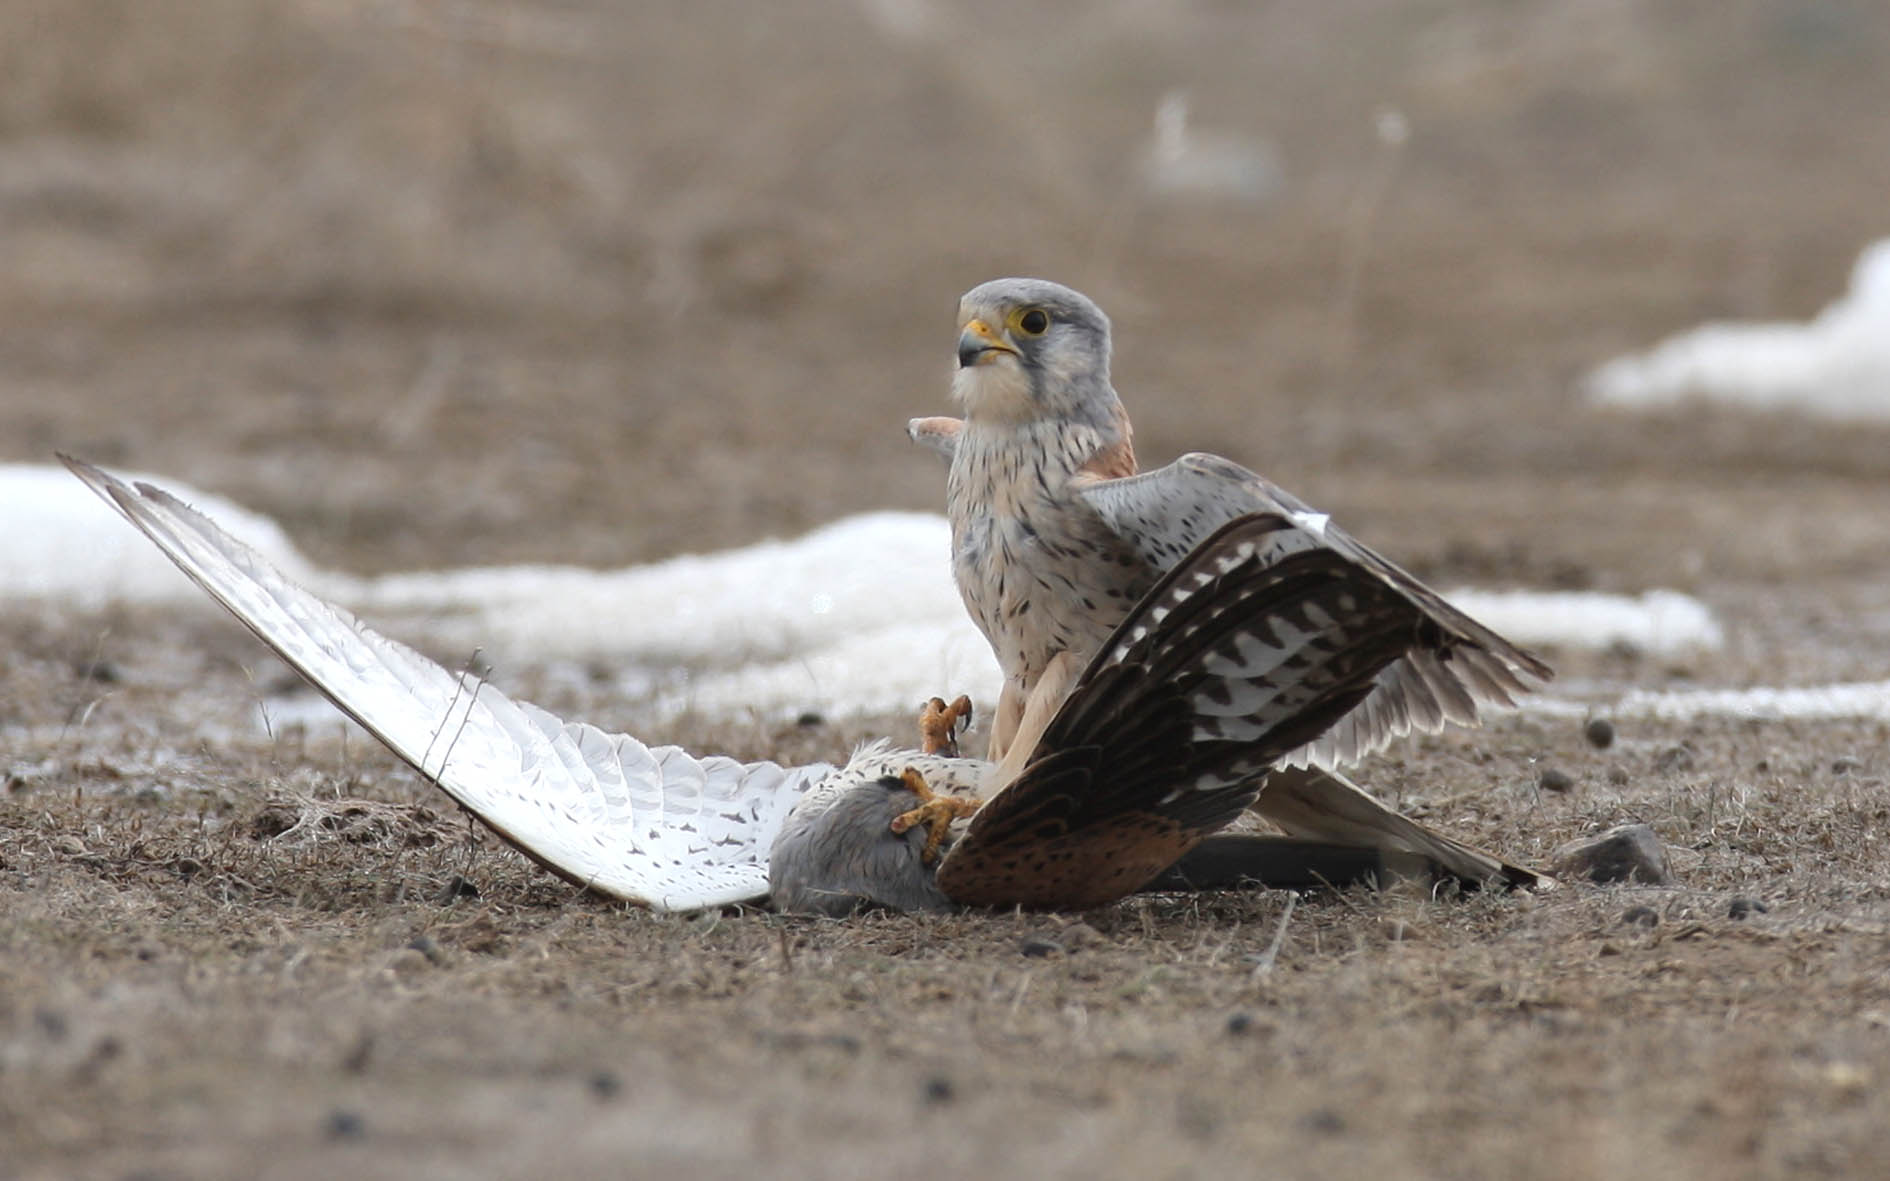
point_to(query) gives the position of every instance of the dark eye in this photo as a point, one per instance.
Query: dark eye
(1034, 322)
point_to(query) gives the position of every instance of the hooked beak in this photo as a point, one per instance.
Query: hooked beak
(979, 345)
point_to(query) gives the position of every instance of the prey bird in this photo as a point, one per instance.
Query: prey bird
(1161, 742)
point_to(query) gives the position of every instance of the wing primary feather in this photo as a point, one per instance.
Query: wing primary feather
(593, 809)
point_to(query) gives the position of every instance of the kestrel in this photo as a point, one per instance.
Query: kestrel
(1055, 534)
(1160, 743)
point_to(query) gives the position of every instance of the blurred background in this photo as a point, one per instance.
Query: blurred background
(437, 282)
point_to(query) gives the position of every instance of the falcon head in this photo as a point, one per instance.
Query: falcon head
(1030, 349)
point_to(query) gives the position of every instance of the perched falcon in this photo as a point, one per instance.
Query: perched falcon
(1247, 649)
(1055, 534)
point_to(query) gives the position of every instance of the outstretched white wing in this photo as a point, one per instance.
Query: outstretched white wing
(652, 825)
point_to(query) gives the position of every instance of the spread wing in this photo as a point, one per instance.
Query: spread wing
(1459, 669)
(1252, 647)
(652, 825)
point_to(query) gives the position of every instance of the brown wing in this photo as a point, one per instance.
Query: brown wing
(1165, 513)
(1251, 647)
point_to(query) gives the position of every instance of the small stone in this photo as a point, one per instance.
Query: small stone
(605, 1084)
(1556, 780)
(1239, 1024)
(346, 1125)
(1617, 777)
(1038, 947)
(1744, 908)
(1323, 1120)
(68, 846)
(937, 1091)
(359, 1055)
(102, 671)
(1641, 916)
(1624, 853)
(1845, 764)
(809, 720)
(52, 1023)
(425, 945)
(1599, 732)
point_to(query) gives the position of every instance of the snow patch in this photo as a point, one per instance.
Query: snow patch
(1836, 366)
(1657, 622)
(63, 542)
(1856, 699)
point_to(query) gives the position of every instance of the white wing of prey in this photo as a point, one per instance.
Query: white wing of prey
(652, 825)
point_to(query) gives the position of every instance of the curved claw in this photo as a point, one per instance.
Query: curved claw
(936, 812)
(941, 724)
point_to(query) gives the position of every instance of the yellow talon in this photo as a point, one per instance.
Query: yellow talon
(935, 812)
(940, 725)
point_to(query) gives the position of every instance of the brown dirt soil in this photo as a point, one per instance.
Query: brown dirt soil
(584, 282)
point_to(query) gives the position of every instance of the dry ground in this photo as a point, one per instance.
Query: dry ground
(444, 283)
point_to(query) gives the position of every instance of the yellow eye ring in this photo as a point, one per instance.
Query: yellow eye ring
(1031, 321)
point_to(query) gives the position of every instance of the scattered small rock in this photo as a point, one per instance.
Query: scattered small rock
(1845, 764)
(1323, 1120)
(1744, 908)
(605, 1084)
(938, 1091)
(356, 1060)
(1078, 935)
(425, 945)
(1599, 732)
(1239, 1024)
(1556, 780)
(1039, 947)
(1641, 916)
(1624, 853)
(1617, 776)
(810, 719)
(52, 1023)
(346, 1125)
(456, 887)
(68, 846)
(102, 671)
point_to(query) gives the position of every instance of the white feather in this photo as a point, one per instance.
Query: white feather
(656, 826)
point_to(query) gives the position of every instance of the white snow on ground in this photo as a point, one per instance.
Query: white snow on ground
(857, 617)
(1857, 699)
(1835, 366)
(1656, 621)
(62, 542)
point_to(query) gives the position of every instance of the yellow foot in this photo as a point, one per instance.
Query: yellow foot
(941, 724)
(935, 812)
